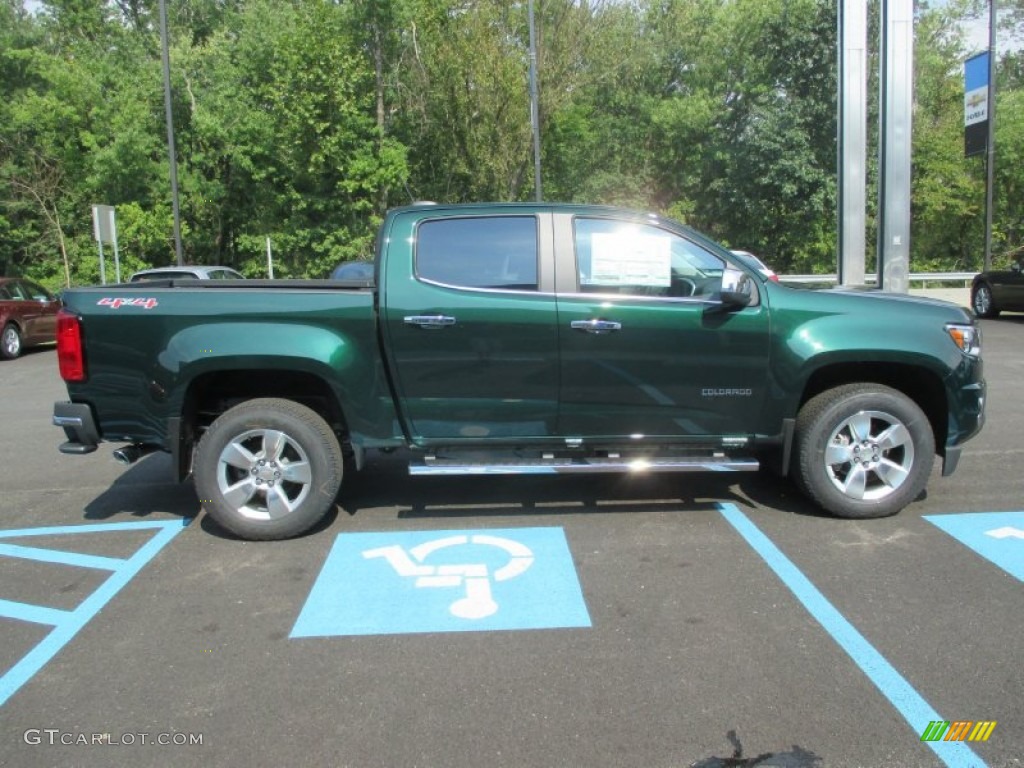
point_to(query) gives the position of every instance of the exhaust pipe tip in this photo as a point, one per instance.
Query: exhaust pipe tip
(129, 454)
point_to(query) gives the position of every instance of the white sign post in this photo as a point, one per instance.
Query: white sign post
(104, 228)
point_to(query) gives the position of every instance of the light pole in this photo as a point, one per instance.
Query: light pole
(990, 157)
(170, 132)
(534, 108)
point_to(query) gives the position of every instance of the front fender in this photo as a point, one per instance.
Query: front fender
(861, 338)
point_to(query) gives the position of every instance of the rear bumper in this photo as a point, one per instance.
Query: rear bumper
(79, 426)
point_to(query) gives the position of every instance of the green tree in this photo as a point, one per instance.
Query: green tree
(948, 189)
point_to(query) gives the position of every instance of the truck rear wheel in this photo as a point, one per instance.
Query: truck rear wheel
(863, 450)
(268, 469)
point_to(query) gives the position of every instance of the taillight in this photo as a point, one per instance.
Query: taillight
(70, 352)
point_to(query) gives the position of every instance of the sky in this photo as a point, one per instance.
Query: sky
(976, 35)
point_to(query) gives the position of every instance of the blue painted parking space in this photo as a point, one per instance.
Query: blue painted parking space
(67, 623)
(444, 581)
(996, 536)
(901, 694)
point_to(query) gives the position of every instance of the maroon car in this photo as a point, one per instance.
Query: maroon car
(28, 315)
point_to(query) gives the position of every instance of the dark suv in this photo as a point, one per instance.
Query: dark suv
(999, 289)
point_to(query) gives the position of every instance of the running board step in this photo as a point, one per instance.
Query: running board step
(577, 466)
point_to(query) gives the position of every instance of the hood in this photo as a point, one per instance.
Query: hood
(881, 295)
(855, 300)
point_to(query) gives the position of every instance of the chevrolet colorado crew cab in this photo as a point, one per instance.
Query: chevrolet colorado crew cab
(520, 339)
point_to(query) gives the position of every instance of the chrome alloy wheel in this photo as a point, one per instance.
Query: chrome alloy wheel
(11, 342)
(264, 474)
(869, 455)
(982, 300)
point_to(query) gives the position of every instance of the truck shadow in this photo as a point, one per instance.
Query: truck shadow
(145, 488)
(385, 488)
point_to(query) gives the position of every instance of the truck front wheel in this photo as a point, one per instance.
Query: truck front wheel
(268, 469)
(863, 450)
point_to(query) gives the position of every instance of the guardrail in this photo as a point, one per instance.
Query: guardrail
(915, 277)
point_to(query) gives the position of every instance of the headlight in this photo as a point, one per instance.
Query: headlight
(967, 337)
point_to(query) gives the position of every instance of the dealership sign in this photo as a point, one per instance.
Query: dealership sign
(976, 110)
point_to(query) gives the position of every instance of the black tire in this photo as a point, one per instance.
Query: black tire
(268, 469)
(875, 475)
(10, 342)
(981, 301)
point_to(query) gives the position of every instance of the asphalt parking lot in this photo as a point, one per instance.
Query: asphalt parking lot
(699, 620)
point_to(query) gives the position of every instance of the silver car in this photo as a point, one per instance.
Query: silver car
(186, 273)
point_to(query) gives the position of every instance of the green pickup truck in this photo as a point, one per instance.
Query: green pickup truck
(520, 339)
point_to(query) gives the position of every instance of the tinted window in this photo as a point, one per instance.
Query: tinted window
(484, 252)
(224, 274)
(18, 293)
(640, 260)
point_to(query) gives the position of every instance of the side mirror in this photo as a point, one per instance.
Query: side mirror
(737, 289)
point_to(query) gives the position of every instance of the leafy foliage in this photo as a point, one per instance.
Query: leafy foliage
(301, 122)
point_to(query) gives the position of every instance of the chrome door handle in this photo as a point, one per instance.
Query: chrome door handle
(596, 326)
(430, 322)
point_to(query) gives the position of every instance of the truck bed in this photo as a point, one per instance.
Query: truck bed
(150, 345)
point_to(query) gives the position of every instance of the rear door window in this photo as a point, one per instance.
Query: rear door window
(18, 293)
(498, 252)
(37, 292)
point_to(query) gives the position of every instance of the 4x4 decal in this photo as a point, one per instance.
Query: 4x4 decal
(118, 303)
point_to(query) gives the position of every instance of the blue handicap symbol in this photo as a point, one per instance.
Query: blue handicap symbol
(444, 581)
(996, 536)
